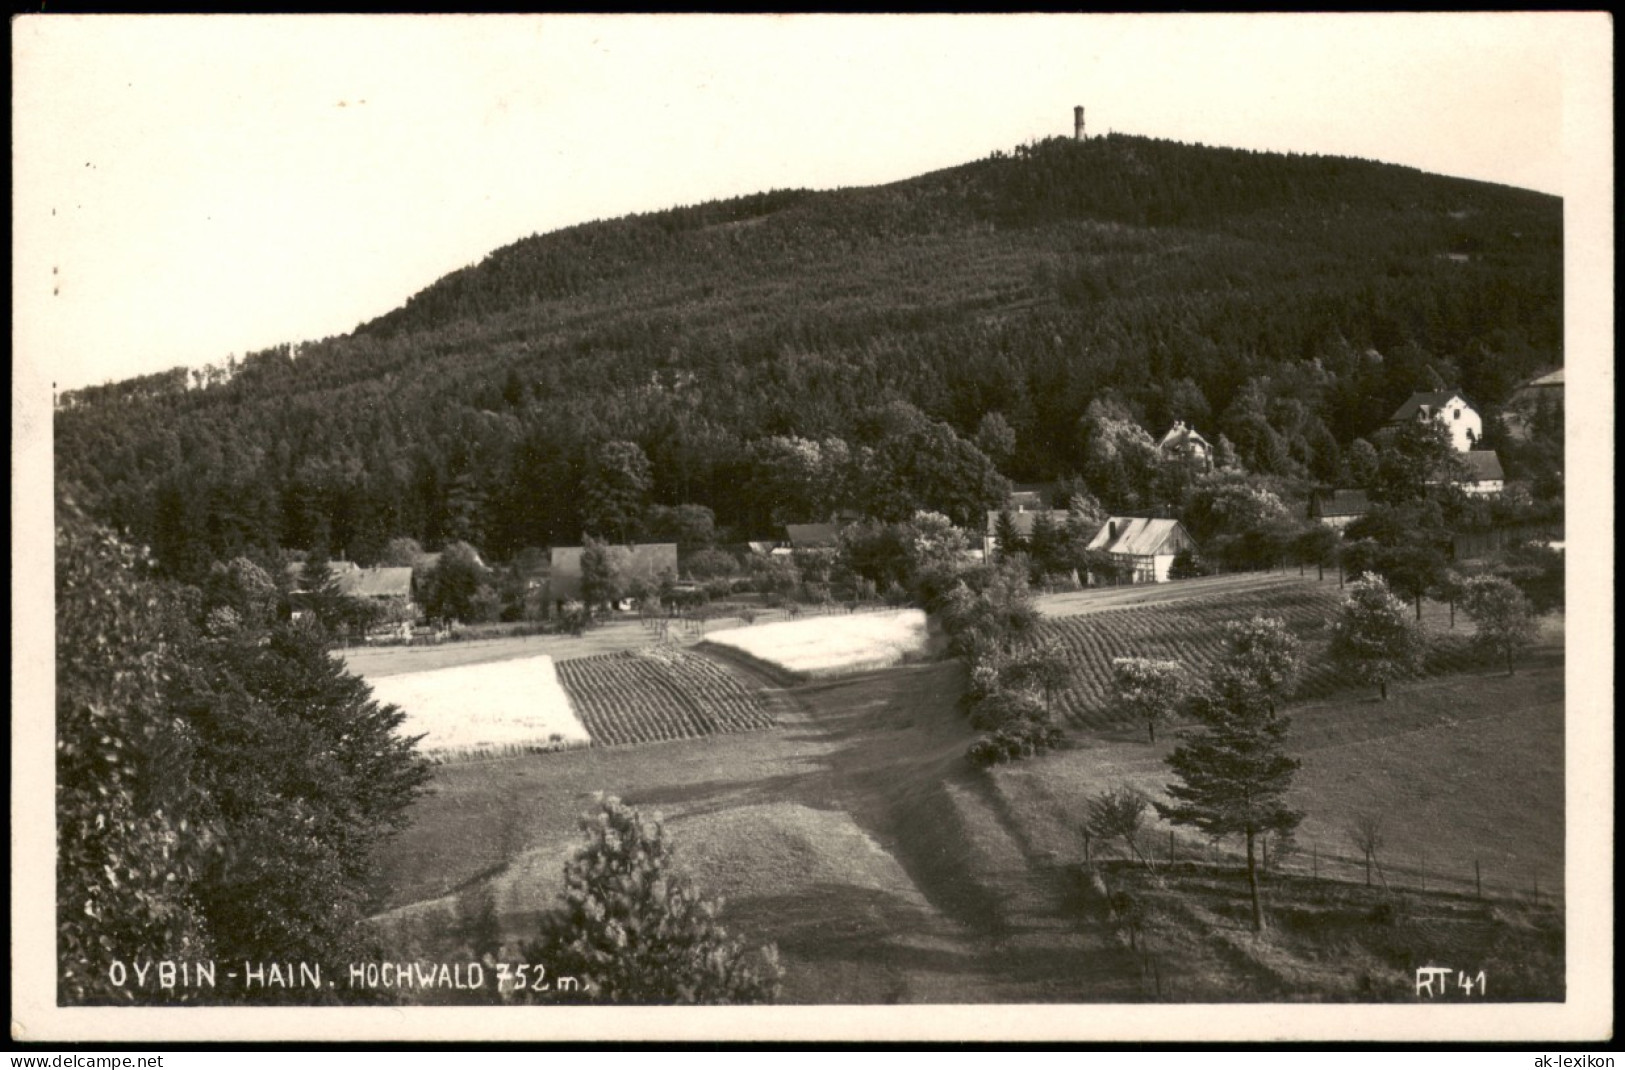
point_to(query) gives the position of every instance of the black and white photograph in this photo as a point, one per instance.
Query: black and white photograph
(843, 527)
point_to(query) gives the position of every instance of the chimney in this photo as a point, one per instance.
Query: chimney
(1077, 123)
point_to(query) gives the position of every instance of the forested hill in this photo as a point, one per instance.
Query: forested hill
(1287, 302)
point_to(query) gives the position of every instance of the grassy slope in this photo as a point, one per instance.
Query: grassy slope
(856, 836)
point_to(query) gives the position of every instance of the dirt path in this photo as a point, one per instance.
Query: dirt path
(1023, 920)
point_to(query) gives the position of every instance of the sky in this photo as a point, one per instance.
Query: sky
(193, 187)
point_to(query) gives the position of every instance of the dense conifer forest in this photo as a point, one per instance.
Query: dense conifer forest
(775, 357)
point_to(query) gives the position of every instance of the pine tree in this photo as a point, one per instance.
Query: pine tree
(1234, 774)
(634, 930)
(1008, 535)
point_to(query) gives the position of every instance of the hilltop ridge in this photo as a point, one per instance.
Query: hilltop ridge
(1287, 302)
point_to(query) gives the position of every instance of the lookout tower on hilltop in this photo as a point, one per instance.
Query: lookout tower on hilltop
(1077, 123)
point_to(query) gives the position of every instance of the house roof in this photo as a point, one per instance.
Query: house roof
(1342, 503)
(1483, 466)
(296, 569)
(1140, 536)
(808, 536)
(1024, 520)
(393, 582)
(1182, 438)
(1432, 400)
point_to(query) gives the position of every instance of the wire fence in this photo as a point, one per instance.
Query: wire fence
(1391, 870)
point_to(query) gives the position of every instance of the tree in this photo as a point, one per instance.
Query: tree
(632, 928)
(600, 579)
(1042, 665)
(306, 778)
(401, 552)
(1186, 565)
(1240, 519)
(1371, 637)
(615, 489)
(995, 437)
(1317, 544)
(129, 841)
(1413, 569)
(1365, 832)
(1502, 615)
(688, 525)
(1118, 813)
(1361, 463)
(1047, 545)
(1537, 570)
(453, 588)
(1234, 774)
(1119, 456)
(1008, 535)
(1266, 654)
(1146, 689)
(1417, 454)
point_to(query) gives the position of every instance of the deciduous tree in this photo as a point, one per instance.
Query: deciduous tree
(1371, 637)
(1264, 652)
(1502, 615)
(1147, 689)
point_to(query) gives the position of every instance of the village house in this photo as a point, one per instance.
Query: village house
(813, 536)
(1182, 443)
(1544, 391)
(1448, 407)
(1338, 508)
(1484, 478)
(1142, 547)
(388, 587)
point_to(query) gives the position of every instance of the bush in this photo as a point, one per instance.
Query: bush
(1016, 739)
(573, 618)
(1187, 566)
(1005, 707)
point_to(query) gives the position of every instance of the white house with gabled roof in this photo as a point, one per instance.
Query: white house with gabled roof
(1448, 407)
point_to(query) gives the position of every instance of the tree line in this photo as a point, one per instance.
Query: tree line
(1008, 318)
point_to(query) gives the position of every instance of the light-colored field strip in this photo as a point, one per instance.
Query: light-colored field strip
(832, 645)
(490, 708)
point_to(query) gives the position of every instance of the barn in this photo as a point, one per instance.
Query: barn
(1338, 508)
(1143, 547)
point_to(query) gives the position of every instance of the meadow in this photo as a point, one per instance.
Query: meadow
(855, 835)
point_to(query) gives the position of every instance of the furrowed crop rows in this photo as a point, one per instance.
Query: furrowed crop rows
(1192, 633)
(634, 697)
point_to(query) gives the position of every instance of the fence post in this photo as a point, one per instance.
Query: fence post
(1314, 862)
(1478, 879)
